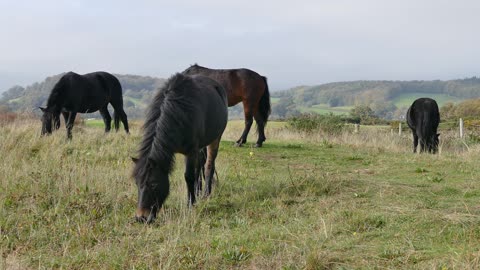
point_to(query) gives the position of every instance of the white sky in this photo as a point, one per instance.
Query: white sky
(290, 42)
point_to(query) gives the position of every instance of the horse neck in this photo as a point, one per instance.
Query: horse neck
(55, 99)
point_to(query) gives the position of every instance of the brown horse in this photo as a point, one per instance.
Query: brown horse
(246, 86)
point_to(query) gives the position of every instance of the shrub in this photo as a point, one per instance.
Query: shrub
(310, 123)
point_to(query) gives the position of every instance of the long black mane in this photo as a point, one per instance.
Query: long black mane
(166, 115)
(56, 95)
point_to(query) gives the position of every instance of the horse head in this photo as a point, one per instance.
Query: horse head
(153, 187)
(50, 120)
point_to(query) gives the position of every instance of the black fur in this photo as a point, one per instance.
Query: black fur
(187, 114)
(423, 118)
(87, 93)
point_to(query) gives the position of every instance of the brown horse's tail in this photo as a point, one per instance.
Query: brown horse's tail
(264, 107)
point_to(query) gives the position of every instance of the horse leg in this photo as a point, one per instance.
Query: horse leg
(261, 130)
(69, 124)
(422, 145)
(248, 125)
(65, 117)
(107, 119)
(212, 151)
(116, 120)
(202, 158)
(119, 114)
(56, 121)
(415, 142)
(123, 117)
(191, 176)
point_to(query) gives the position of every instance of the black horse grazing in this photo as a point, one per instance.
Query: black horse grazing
(423, 118)
(189, 113)
(246, 86)
(87, 93)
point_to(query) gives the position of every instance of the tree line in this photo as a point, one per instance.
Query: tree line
(377, 96)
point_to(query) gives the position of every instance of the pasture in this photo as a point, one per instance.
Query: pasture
(303, 201)
(405, 100)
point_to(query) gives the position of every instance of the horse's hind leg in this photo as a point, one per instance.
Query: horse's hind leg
(116, 120)
(119, 114)
(107, 119)
(202, 159)
(260, 129)
(191, 175)
(415, 142)
(123, 117)
(212, 151)
(248, 125)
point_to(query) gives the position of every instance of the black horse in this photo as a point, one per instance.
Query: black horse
(423, 118)
(87, 93)
(246, 86)
(189, 113)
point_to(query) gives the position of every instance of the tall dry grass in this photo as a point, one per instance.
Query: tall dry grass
(302, 202)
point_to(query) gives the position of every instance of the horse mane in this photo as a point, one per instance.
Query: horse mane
(169, 108)
(56, 94)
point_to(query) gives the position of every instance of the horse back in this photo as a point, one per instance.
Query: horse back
(89, 92)
(240, 84)
(423, 116)
(210, 109)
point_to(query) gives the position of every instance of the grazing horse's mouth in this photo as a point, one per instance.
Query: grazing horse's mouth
(145, 215)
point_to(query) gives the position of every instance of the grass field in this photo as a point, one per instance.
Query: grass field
(405, 100)
(304, 201)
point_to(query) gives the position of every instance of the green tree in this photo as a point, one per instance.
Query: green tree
(363, 114)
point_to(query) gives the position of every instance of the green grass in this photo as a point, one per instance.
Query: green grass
(15, 100)
(294, 204)
(274, 100)
(94, 123)
(405, 100)
(136, 101)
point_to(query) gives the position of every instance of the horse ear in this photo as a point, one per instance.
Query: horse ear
(135, 160)
(43, 109)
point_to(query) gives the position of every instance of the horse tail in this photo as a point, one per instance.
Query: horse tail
(112, 84)
(264, 107)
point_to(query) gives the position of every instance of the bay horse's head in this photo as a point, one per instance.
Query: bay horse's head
(153, 187)
(50, 120)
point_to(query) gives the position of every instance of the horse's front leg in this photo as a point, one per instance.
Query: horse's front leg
(71, 120)
(191, 176)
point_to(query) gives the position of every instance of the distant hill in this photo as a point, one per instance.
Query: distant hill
(389, 99)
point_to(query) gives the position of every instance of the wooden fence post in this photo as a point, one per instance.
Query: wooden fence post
(357, 128)
(400, 129)
(461, 128)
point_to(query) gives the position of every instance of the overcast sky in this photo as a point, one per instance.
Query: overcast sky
(291, 42)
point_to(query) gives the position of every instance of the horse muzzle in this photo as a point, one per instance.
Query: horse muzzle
(145, 215)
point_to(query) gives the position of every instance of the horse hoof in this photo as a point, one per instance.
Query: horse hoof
(258, 145)
(238, 144)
